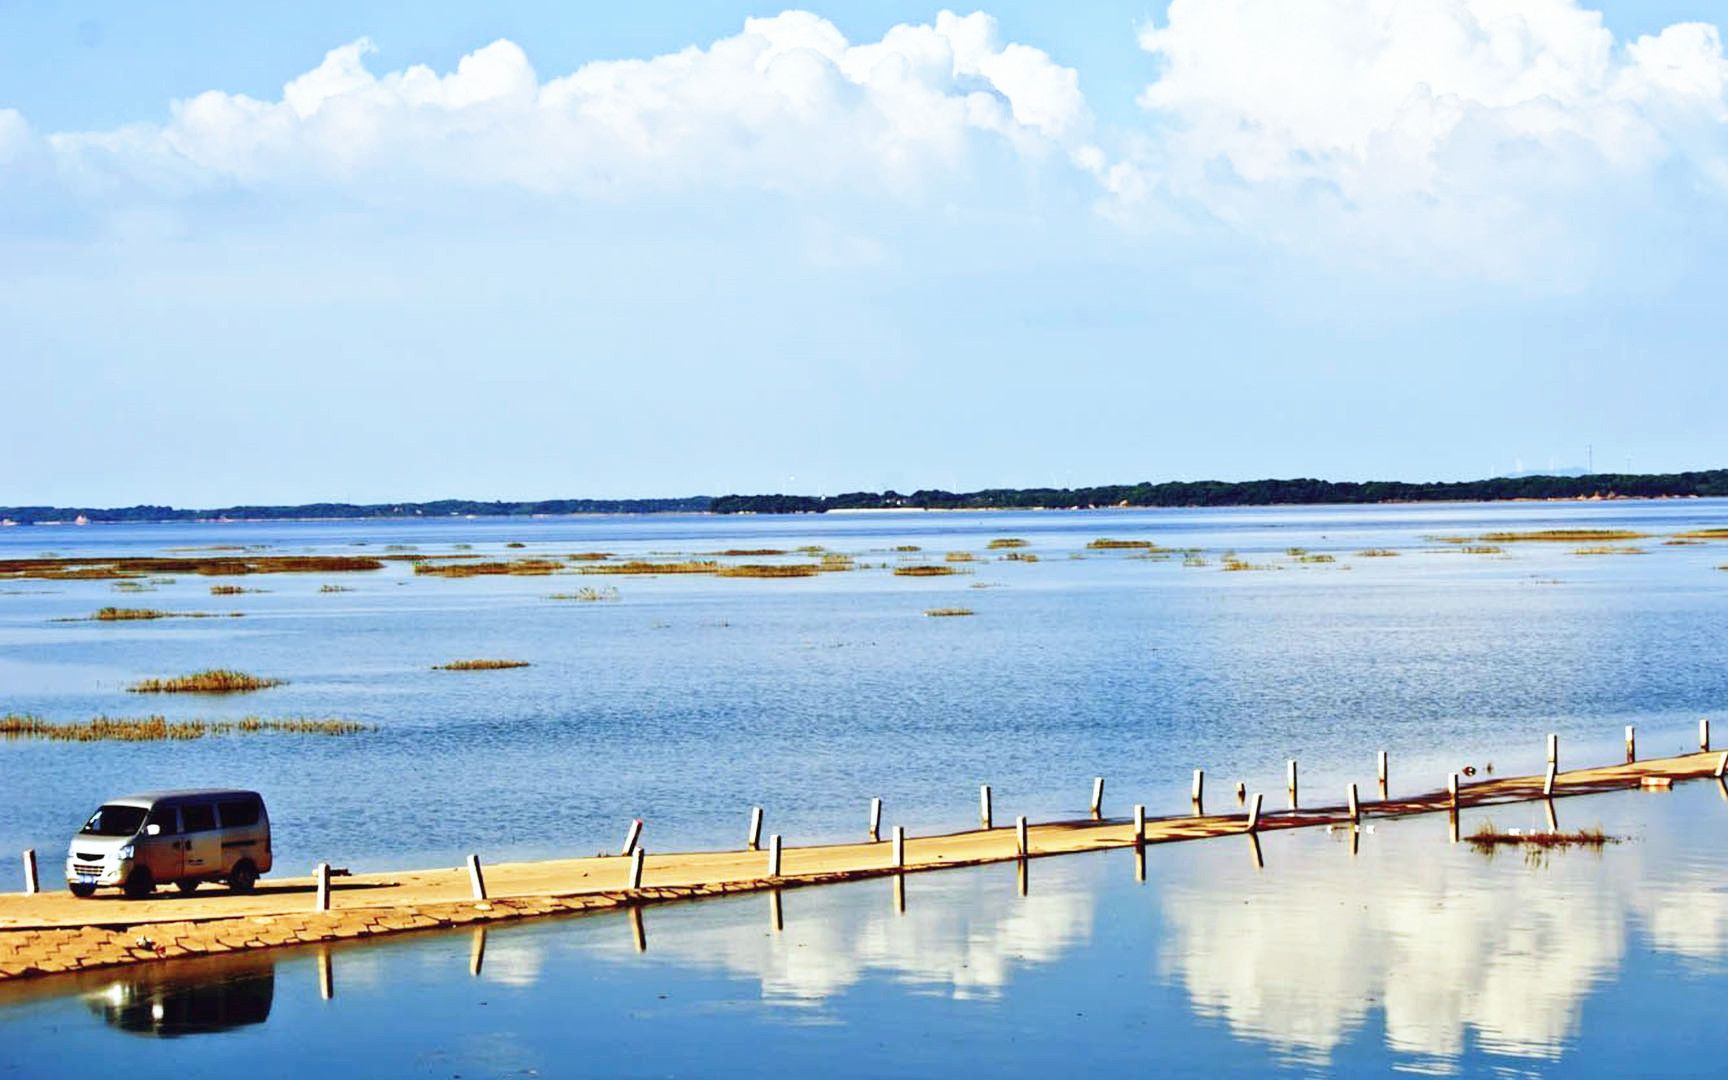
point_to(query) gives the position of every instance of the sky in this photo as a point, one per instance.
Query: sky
(423, 250)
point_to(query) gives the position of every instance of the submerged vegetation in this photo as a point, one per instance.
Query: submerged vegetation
(480, 665)
(213, 681)
(159, 729)
(589, 595)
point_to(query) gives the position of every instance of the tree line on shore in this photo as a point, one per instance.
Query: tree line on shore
(1711, 482)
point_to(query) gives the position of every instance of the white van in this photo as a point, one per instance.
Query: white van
(186, 837)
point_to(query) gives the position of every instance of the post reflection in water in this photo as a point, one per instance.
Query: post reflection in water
(1023, 877)
(477, 951)
(1553, 818)
(899, 894)
(1139, 863)
(776, 915)
(638, 930)
(1254, 851)
(326, 976)
(162, 1004)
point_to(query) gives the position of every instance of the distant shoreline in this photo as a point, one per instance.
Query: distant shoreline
(1602, 487)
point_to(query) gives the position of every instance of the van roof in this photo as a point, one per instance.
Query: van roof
(152, 798)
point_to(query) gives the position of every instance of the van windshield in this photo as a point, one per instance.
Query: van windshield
(115, 821)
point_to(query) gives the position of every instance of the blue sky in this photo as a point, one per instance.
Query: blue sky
(424, 250)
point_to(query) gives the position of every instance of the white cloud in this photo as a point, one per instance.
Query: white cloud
(1468, 128)
(787, 104)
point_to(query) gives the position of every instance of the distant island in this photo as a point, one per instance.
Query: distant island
(1711, 482)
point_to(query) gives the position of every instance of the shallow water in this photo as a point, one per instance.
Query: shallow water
(1405, 953)
(691, 698)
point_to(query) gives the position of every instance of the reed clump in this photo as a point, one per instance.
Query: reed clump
(1488, 838)
(589, 556)
(1376, 553)
(638, 566)
(231, 590)
(1004, 543)
(515, 544)
(120, 614)
(1482, 549)
(908, 548)
(329, 588)
(1107, 544)
(161, 729)
(924, 571)
(1703, 534)
(480, 665)
(749, 553)
(1607, 549)
(1233, 563)
(949, 612)
(834, 562)
(1315, 557)
(1563, 536)
(1020, 556)
(589, 595)
(959, 556)
(213, 681)
(514, 568)
(771, 570)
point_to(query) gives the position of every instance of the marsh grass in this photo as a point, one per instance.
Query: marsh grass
(1234, 563)
(834, 562)
(1376, 553)
(1482, 549)
(161, 729)
(959, 556)
(116, 568)
(1194, 560)
(924, 571)
(1702, 534)
(637, 566)
(232, 590)
(213, 681)
(747, 553)
(1315, 557)
(1607, 549)
(329, 588)
(949, 612)
(1107, 544)
(132, 587)
(1003, 543)
(589, 595)
(1562, 536)
(908, 548)
(120, 614)
(513, 568)
(480, 665)
(589, 556)
(1020, 556)
(1487, 839)
(515, 544)
(770, 570)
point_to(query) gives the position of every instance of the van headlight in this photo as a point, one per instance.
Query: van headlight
(124, 853)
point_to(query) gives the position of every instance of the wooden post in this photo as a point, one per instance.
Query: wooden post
(1355, 807)
(899, 846)
(875, 820)
(476, 879)
(984, 805)
(636, 858)
(1704, 735)
(1553, 749)
(30, 884)
(1381, 771)
(1291, 770)
(477, 951)
(1197, 793)
(1254, 813)
(774, 855)
(1097, 796)
(1139, 824)
(1241, 792)
(1021, 844)
(632, 836)
(1549, 778)
(321, 875)
(1722, 765)
(1631, 743)
(1452, 789)
(755, 840)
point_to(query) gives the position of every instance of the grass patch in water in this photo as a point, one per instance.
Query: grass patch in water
(1703, 534)
(1607, 549)
(770, 570)
(746, 553)
(924, 571)
(1003, 543)
(637, 566)
(480, 665)
(588, 595)
(213, 681)
(1376, 553)
(1107, 544)
(1315, 557)
(589, 556)
(1482, 549)
(1020, 556)
(908, 547)
(161, 729)
(1562, 536)
(959, 556)
(513, 568)
(113, 568)
(1487, 839)
(232, 590)
(121, 614)
(949, 612)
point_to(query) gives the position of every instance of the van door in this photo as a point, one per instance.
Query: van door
(202, 844)
(161, 853)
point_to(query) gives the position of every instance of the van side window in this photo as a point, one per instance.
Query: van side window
(165, 817)
(199, 817)
(238, 813)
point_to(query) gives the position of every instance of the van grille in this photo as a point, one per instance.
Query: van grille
(84, 868)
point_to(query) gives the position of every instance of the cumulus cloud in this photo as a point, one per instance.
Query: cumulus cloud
(1457, 126)
(787, 104)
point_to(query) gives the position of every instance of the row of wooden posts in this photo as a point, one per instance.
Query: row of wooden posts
(636, 853)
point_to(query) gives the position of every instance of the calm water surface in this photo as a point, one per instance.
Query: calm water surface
(691, 698)
(1406, 953)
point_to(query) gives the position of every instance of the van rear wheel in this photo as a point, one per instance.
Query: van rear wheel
(243, 877)
(139, 884)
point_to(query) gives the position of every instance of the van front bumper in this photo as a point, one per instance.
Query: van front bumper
(106, 872)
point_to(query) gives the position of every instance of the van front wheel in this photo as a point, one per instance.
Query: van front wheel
(139, 884)
(81, 890)
(187, 885)
(243, 877)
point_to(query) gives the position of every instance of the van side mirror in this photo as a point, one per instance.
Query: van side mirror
(152, 829)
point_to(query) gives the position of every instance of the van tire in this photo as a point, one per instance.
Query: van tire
(243, 877)
(139, 884)
(187, 885)
(81, 890)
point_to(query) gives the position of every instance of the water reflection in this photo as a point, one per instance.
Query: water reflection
(146, 1002)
